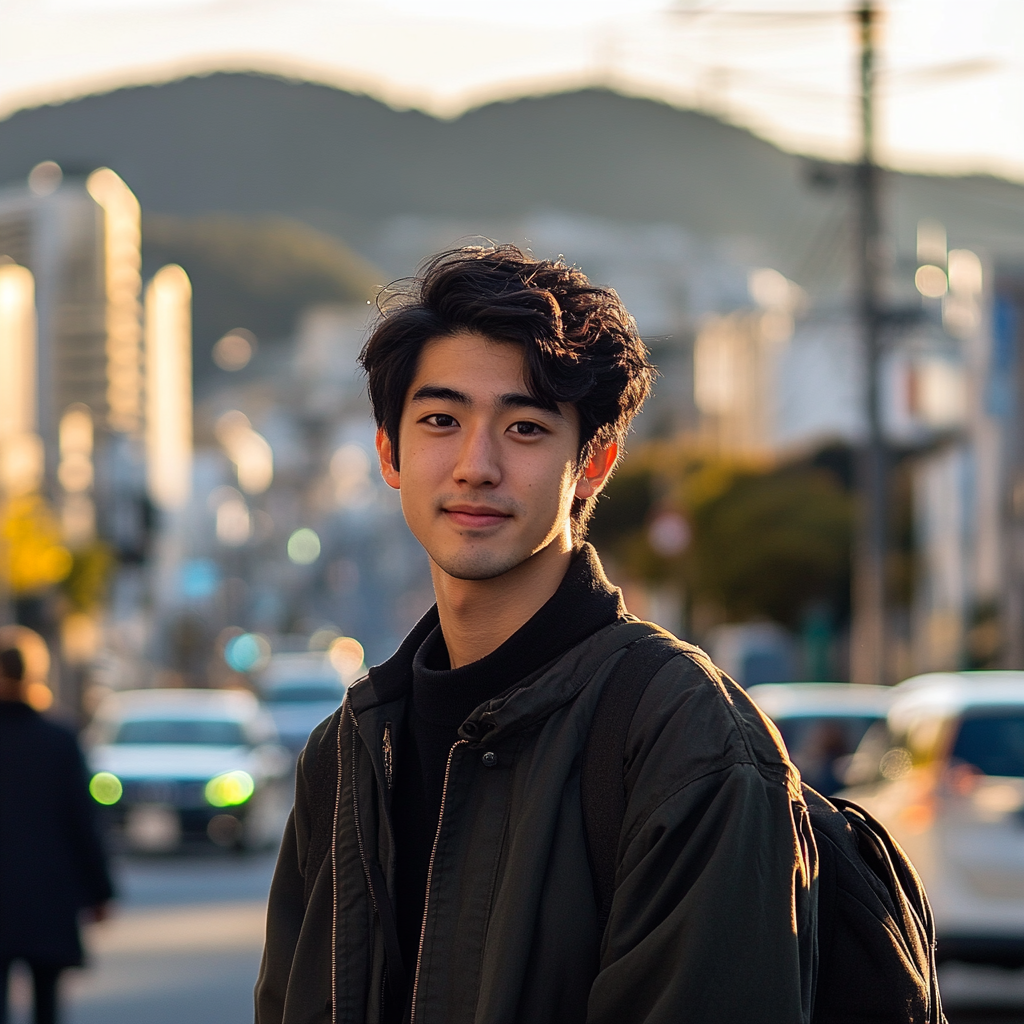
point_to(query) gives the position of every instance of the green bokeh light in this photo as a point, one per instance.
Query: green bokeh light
(106, 788)
(304, 546)
(230, 789)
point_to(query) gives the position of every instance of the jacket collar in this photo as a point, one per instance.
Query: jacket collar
(392, 680)
(553, 686)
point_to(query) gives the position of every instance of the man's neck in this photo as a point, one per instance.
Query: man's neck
(478, 616)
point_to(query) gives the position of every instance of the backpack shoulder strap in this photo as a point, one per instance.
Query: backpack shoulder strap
(602, 785)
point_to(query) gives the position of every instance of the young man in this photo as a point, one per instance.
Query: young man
(435, 869)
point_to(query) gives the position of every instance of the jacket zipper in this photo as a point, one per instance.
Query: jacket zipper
(430, 874)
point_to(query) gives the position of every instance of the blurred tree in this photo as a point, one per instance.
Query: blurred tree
(762, 542)
(33, 556)
(773, 544)
(85, 586)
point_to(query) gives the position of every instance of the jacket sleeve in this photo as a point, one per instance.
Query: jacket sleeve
(285, 907)
(713, 915)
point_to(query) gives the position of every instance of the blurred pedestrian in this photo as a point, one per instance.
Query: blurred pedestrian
(438, 867)
(52, 862)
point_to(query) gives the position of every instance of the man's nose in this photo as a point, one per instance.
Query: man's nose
(478, 464)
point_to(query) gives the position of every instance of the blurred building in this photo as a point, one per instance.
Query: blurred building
(72, 364)
(1003, 395)
(942, 374)
(737, 366)
(959, 480)
(81, 239)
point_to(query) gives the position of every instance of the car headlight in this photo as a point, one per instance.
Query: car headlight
(230, 789)
(106, 788)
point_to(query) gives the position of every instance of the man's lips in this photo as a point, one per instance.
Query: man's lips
(475, 516)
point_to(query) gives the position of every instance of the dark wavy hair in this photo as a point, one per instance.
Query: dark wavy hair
(580, 344)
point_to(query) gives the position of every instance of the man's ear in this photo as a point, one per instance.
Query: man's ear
(597, 471)
(385, 453)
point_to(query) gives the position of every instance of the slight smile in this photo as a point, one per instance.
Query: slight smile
(475, 517)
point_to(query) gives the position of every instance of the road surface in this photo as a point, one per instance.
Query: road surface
(182, 947)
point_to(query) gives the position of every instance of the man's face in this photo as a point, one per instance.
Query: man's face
(487, 476)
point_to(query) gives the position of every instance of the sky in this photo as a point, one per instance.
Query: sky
(951, 82)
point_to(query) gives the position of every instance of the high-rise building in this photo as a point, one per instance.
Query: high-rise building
(169, 372)
(21, 461)
(80, 238)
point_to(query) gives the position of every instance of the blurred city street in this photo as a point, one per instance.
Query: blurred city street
(183, 944)
(813, 210)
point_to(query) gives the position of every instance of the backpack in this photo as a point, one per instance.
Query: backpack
(876, 934)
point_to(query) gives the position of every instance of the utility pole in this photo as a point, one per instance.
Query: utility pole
(868, 633)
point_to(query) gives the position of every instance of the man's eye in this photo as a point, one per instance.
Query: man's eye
(441, 419)
(527, 429)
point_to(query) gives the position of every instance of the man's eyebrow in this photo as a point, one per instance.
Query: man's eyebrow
(517, 400)
(437, 393)
(511, 400)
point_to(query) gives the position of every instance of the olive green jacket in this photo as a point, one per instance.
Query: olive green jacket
(713, 919)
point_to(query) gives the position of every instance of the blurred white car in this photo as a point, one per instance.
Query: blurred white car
(174, 765)
(946, 776)
(300, 691)
(822, 724)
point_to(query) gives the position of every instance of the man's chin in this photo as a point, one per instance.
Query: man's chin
(478, 565)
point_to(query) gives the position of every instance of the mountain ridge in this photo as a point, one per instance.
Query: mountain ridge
(346, 164)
